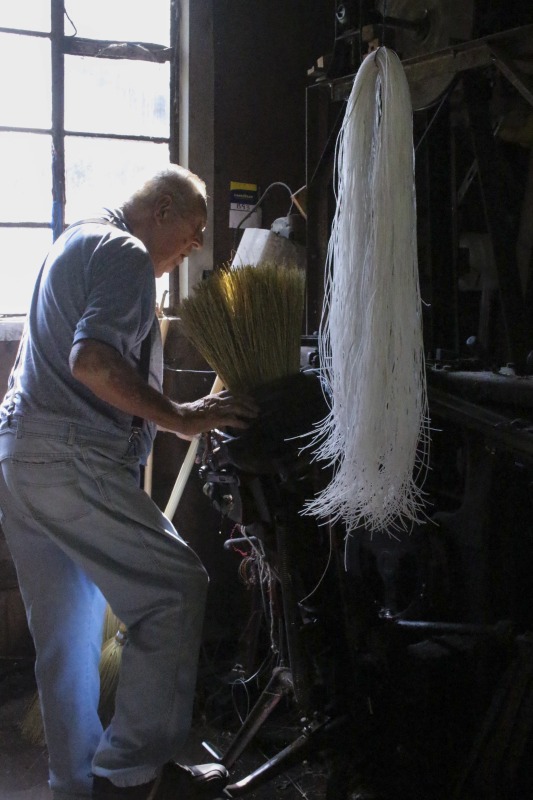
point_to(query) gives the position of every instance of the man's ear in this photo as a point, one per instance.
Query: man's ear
(163, 207)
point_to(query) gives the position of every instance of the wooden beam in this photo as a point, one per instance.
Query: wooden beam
(104, 48)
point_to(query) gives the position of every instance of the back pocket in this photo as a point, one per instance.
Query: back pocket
(48, 490)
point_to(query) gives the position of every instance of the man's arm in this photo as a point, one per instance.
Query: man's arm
(111, 378)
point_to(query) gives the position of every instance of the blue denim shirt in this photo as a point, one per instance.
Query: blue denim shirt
(97, 282)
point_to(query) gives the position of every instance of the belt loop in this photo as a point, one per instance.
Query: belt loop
(19, 428)
(71, 434)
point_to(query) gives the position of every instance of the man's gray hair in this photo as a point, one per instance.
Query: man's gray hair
(187, 190)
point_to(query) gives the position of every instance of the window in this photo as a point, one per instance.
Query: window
(85, 114)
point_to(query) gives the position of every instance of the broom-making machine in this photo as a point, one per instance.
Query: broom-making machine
(404, 663)
(358, 645)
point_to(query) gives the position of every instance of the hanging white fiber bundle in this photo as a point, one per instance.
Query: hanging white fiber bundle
(376, 435)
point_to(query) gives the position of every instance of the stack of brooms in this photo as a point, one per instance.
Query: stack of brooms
(247, 323)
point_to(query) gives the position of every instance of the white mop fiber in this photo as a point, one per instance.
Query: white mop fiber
(376, 435)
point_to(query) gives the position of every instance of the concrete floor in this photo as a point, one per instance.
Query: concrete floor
(23, 766)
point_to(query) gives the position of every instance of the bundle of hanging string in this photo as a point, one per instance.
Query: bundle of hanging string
(376, 435)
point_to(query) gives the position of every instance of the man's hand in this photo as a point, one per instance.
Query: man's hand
(216, 411)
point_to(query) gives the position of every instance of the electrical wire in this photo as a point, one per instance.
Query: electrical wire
(269, 187)
(71, 22)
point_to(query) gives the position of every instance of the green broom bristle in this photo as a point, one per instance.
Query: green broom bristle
(110, 661)
(111, 624)
(247, 322)
(31, 726)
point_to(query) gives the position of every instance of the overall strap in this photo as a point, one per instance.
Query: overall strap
(144, 369)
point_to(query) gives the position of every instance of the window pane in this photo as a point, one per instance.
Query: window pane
(26, 15)
(126, 96)
(104, 172)
(121, 20)
(25, 177)
(161, 287)
(23, 251)
(26, 97)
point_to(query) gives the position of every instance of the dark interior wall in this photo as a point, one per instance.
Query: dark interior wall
(262, 51)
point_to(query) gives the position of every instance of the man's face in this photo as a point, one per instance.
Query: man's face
(174, 238)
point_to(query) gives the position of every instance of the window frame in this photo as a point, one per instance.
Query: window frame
(73, 45)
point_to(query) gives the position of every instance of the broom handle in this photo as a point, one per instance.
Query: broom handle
(187, 465)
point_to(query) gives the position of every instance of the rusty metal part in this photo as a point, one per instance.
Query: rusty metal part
(439, 67)
(426, 26)
(279, 685)
(502, 431)
(288, 756)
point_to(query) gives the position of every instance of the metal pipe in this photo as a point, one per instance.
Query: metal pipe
(278, 686)
(502, 629)
(58, 116)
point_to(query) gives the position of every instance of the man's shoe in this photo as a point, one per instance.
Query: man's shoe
(103, 789)
(178, 782)
(175, 782)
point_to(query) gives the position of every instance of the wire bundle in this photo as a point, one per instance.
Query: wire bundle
(376, 435)
(246, 323)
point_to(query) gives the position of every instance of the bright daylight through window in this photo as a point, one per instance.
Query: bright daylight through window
(65, 154)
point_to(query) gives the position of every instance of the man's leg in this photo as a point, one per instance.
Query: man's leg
(91, 507)
(65, 614)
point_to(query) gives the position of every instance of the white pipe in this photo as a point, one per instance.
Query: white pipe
(186, 467)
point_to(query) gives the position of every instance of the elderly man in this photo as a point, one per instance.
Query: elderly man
(82, 407)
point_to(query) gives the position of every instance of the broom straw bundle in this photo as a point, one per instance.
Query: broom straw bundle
(376, 435)
(246, 322)
(31, 726)
(110, 660)
(111, 623)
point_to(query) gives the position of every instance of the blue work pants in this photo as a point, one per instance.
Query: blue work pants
(80, 529)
